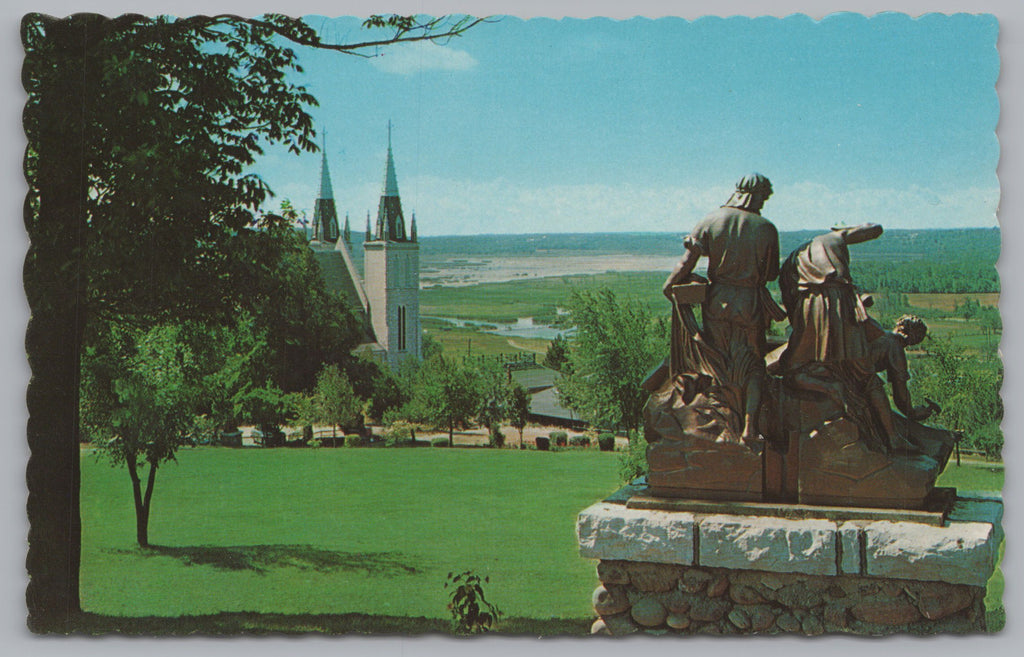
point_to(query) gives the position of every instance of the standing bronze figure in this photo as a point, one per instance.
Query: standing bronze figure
(742, 249)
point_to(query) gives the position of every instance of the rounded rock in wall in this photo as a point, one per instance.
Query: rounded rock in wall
(812, 626)
(649, 612)
(599, 627)
(935, 604)
(694, 580)
(740, 618)
(609, 601)
(787, 623)
(709, 609)
(677, 621)
(745, 595)
(772, 581)
(612, 572)
(653, 576)
(835, 616)
(761, 618)
(890, 612)
(620, 624)
(718, 586)
(677, 603)
(709, 628)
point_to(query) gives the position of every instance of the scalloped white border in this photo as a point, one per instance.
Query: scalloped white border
(16, 639)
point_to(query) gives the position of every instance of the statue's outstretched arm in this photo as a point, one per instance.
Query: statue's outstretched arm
(861, 233)
(681, 271)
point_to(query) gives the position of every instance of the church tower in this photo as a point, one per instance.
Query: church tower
(325, 215)
(391, 264)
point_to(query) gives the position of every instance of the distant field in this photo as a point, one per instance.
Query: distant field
(950, 301)
(538, 298)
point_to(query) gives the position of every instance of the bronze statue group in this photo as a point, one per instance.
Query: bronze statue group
(734, 416)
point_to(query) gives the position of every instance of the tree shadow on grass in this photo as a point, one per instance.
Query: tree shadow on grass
(244, 622)
(263, 558)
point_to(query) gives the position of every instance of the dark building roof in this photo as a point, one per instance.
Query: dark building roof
(546, 409)
(535, 378)
(545, 406)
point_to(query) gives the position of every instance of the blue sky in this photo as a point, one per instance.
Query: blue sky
(602, 125)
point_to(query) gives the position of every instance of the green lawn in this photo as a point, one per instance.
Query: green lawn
(338, 531)
(972, 474)
(356, 539)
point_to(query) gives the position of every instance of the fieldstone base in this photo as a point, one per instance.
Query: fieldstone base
(688, 573)
(636, 596)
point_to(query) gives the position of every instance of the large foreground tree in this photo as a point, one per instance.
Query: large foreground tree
(139, 132)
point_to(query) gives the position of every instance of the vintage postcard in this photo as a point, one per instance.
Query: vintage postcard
(403, 324)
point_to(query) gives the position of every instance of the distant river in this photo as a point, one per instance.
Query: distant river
(524, 327)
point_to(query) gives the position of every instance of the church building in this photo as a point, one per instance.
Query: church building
(385, 293)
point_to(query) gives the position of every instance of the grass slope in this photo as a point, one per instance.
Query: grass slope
(343, 531)
(356, 540)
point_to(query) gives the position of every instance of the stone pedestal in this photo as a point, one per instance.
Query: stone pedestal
(690, 573)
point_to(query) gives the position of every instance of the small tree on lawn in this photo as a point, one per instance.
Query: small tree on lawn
(334, 401)
(143, 406)
(519, 409)
(494, 397)
(447, 394)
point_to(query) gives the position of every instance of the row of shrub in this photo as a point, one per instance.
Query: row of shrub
(403, 434)
(605, 441)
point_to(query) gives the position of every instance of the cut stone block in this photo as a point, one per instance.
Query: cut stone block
(962, 553)
(608, 531)
(772, 544)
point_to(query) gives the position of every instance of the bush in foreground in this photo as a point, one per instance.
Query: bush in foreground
(471, 612)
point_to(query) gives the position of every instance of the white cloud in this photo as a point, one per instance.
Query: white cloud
(812, 205)
(446, 206)
(460, 207)
(418, 56)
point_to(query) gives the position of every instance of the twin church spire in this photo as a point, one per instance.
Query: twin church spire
(390, 221)
(390, 225)
(325, 215)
